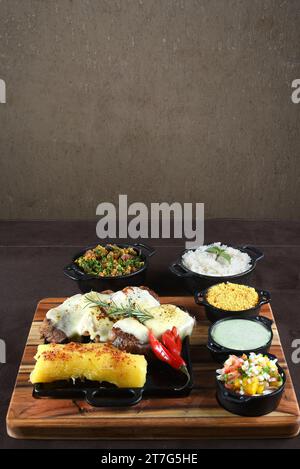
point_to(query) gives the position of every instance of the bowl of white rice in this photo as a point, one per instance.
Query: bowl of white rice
(213, 263)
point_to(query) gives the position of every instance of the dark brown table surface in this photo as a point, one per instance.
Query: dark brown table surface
(33, 253)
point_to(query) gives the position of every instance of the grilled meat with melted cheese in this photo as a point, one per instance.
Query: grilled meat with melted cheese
(74, 321)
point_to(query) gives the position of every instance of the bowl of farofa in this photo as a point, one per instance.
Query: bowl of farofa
(231, 300)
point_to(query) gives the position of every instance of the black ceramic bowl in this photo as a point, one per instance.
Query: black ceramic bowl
(221, 353)
(87, 282)
(195, 282)
(250, 406)
(214, 314)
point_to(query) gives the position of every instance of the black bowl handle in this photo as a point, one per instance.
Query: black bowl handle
(256, 254)
(237, 399)
(41, 390)
(70, 272)
(199, 298)
(265, 297)
(114, 397)
(268, 322)
(149, 250)
(214, 348)
(178, 270)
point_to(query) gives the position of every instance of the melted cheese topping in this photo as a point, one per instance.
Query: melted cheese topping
(74, 318)
(134, 327)
(136, 297)
(167, 316)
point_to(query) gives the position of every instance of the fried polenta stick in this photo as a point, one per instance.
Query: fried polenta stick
(94, 362)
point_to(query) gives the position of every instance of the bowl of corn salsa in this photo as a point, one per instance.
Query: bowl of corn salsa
(228, 299)
(253, 375)
(250, 385)
(109, 266)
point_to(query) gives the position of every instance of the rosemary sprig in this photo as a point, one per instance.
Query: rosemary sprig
(116, 312)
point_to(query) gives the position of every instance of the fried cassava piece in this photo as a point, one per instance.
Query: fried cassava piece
(94, 362)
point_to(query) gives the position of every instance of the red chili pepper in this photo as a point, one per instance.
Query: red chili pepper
(170, 340)
(167, 356)
(177, 338)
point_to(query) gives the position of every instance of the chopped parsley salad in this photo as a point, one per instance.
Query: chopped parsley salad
(110, 261)
(252, 375)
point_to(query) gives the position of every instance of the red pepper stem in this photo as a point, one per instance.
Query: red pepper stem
(184, 370)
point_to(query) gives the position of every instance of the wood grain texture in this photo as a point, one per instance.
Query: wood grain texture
(196, 416)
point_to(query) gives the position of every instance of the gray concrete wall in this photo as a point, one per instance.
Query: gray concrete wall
(162, 100)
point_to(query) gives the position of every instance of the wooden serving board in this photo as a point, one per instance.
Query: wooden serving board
(196, 416)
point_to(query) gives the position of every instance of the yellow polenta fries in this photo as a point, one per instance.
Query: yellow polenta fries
(95, 362)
